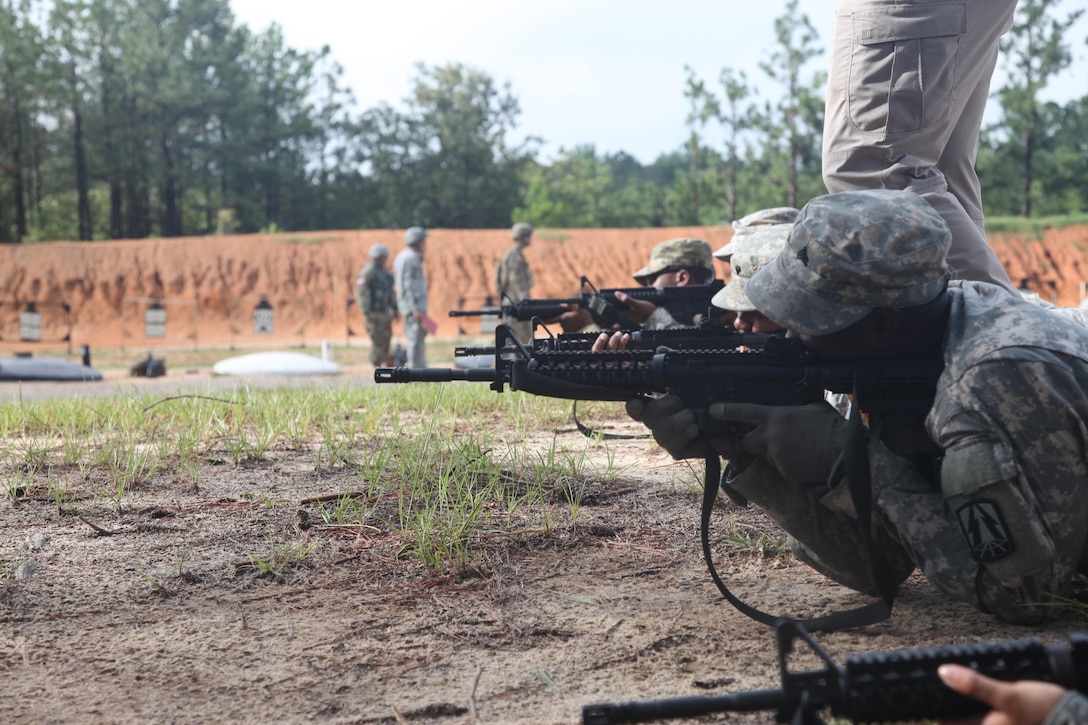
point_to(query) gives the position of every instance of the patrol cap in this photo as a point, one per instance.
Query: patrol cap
(753, 222)
(379, 251)
(850, 253)
(521, 230)
(414, 236)
(756, 251)
(682, 252)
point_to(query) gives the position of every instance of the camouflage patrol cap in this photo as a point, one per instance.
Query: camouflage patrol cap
(379, 251)
(521, 230)
(850, 253)
(748, 225)
(414, 236)
(755, 251)
(682, 252)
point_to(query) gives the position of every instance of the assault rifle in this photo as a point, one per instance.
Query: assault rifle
(703, 337)
(895, 686)
(781, 373)
(683, 303)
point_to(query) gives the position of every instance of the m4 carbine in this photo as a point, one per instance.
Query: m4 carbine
(703, 337)
(781, 373)
(685, 304)
(897, 686)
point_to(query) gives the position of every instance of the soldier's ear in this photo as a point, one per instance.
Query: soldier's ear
(683, 277)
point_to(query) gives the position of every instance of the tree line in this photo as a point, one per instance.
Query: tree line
(143, 118)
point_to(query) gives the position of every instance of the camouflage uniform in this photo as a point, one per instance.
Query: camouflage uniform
(754, 223)
(514, 280)
(681, 252)
(411, 287)
(377, 301)
(999, 521)
(1072, 709)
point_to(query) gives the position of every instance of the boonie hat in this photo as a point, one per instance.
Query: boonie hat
(379, 251)
(850, 253)
(755, 252)
(752, 223)
(520, 230)
(414, 236)
(682, 252)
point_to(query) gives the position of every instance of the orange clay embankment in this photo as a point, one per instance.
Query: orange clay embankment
(308, 278)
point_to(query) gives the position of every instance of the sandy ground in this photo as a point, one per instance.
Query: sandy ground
(153, 615)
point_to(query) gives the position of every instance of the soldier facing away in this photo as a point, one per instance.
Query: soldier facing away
(375, 295)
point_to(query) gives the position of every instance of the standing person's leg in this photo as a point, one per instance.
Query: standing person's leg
(414, 334)
(906, 90)
(381, 335)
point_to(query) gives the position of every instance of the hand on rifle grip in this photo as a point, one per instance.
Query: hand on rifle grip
(802, 442)
(674, 428)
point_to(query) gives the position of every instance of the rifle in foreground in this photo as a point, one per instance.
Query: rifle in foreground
(896, 686)
(686, 304)
(703, 337)
(781, 373)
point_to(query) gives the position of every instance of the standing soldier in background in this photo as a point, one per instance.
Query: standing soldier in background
(377, 301)
(411, 288)
(514, 279)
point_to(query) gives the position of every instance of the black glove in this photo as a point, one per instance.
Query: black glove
(802, 442)
(674, 428)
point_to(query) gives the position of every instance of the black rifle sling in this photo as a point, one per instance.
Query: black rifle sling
(593, 432)
(856, 463)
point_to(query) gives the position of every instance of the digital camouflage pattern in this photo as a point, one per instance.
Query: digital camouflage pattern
(521, 230)
(375, 296)
(1001, 525)
(513, 282)
(746, 226)
(682, 252)
(849, 253)
(1072, 709)
(755, 252)
(411, 288)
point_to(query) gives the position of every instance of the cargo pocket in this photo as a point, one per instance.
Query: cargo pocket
(903, 65)
(999, 525)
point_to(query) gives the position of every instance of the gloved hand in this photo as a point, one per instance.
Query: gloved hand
(802, 442)
(673, 427)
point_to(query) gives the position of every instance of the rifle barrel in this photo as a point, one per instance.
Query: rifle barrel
(433, 375)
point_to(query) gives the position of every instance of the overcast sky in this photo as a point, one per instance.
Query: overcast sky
(603, 72)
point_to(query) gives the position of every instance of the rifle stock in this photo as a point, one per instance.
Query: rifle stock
(895, 686)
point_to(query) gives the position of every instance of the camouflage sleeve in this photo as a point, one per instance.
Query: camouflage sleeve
(823, 533)
(1005, 530)
(1070, 710)
(513, 278)
(660, 319)
(411, 287)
